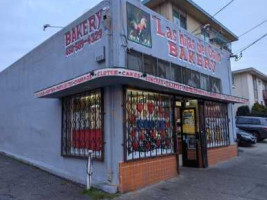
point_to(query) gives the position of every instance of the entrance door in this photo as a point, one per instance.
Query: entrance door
(189, 137)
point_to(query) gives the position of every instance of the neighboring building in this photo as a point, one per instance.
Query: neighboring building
(144, 94)
(189, 16)
(250, 84)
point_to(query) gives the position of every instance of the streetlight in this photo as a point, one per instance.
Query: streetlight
(50, 26)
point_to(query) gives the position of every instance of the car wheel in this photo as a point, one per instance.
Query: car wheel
(257, 135)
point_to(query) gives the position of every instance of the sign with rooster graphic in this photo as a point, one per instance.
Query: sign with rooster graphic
(138, 26)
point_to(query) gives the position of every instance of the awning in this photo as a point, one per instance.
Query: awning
(114, 76)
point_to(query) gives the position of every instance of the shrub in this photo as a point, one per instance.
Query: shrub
(259, 110)
(243, 111)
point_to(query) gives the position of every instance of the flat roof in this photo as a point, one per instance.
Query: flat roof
(195, 10)
(253, 71)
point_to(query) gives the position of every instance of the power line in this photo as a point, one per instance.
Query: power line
(240, 52)
(253, 43)
(215, 14)
(248, 31)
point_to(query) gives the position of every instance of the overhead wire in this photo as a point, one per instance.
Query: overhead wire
(253, 28)
(214, 15)
(238, 55)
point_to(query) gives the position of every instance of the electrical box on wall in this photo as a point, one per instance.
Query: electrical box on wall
(100, 54)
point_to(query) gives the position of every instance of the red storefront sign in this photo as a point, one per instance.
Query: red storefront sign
(85, 33)
(188, 48)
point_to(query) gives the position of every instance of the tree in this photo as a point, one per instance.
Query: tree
(243, 111)
(259, 110)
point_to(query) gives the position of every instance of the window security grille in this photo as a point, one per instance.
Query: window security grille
(149, 130)
(217, 124)
(83, 125)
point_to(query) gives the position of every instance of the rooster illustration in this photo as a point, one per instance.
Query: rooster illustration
(139, 30)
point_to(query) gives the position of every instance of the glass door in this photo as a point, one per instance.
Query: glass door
(189, 137)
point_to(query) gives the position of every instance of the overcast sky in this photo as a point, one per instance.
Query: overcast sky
(22, 21)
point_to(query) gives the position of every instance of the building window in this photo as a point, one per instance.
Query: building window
(176, 17)
(176, 73)
(163, 69)
(83, 125)
(233, 79)
(204, 82)
(216, 85)
(255, 87)
(150, 65)
(179, 19)
(216, 123)
(191, 78)
(149, 130)
(183, 23)
(134, 60)
(205, 35)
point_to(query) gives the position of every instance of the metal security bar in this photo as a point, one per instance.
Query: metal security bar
(149, 130)
(216, 124)
(83, 125)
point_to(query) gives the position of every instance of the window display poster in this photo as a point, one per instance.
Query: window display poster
(138, 26)
(189, 125)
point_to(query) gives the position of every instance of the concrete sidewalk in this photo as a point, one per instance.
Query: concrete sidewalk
(243, 178)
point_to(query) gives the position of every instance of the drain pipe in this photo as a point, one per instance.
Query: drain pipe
(89, 171)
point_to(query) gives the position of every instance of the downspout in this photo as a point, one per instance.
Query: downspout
(230, 89)
(110, 92)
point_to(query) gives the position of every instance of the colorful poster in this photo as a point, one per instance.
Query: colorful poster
(138, 26)
(189, 125)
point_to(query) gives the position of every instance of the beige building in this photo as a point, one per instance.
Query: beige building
(250, 84)
(191, 17)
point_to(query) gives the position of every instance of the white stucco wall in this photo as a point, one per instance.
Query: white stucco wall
(243, 87)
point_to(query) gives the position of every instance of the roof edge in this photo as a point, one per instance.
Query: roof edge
(251, 70)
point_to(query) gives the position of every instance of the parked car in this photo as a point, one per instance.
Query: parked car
(244, 138)
(257, 126)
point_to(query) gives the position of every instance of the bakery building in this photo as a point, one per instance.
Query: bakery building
(144, 85)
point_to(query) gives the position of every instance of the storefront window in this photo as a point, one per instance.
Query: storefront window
(216, 85)
(82, 125)
(163, 69)
(191, 78)
(176, 73)
(149, 131)
(216, 123)
(205, 82)
(150, 65)
(134, 61)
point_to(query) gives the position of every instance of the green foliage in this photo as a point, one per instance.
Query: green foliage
(96, 194)
(259, 110)
(243, 111)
